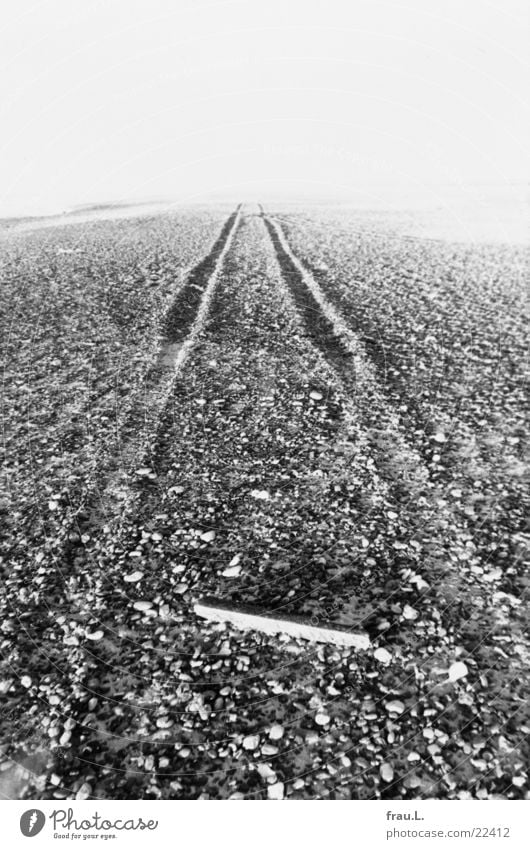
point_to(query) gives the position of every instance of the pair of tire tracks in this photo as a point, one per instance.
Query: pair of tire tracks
(187, 316)
(341, 348)
(329, 333)
(348, 360)
(326, 329)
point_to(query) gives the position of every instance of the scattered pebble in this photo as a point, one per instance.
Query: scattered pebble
(143, 605)
(145, 472)
(260, 494)
(265, 771)
(231, 571)
(395, 706)
(276, 791)
(208, 536)
(386, 772)
(133, 577)
(95, 635)
(457, 670)
(276, 732)
(382, 655)
(84, 791)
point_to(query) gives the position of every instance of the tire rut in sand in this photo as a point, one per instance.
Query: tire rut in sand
(454, 564)
(111, 490)
(246, 442)
(182, 324)
(256, 353)
(343, 351)
(406, 469)
(184, 309)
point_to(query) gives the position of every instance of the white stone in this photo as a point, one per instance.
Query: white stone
(142, 605)
(231, 571)
(386, 772)
(208, 536)
(276, 732)
(133, 577)
(395, 706)
(276, 791)
(260, 494)
(265, 771)
(251, 742)
(457, 670)
(382, 655)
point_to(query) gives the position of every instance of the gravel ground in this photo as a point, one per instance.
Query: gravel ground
(288, 472)
(446, 327)
(81, 308)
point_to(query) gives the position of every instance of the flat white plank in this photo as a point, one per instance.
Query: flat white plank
(250, 621)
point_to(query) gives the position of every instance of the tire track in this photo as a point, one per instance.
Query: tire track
(88, 532)
(406, 470)
(185, 315)
(445, 437)
(109, 492)
(181, 315)
(263, 318)
(479, 568)
(454, 567)
(342, 349)
(182, 325)
(351, 358)
(361, 364)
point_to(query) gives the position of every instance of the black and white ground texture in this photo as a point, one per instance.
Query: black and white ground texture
(306, 410)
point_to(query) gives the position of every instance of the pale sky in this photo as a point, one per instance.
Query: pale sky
(128, 99)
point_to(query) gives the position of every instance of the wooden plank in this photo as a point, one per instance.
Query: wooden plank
(249, 618)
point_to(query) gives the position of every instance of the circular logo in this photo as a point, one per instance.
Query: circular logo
(31, 822)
